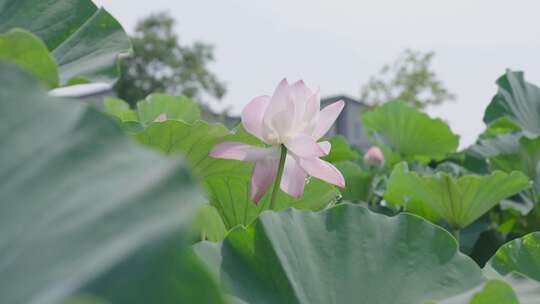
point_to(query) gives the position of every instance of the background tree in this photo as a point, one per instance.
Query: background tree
(409, 78)
(160, 64)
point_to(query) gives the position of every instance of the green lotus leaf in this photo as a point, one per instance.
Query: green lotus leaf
(498, 144)
(459, 201)
(518, 264)
(502, 125)
(359, 181)
(85, 41)
(525, 159)
(345, 254)
(30, 53)
(120, 109)
(171, 107)
(167, 274)
(209, 225)
(521, 255)
(78, 198)
(340, 151)
(492, 291)
(409, 133)
(517, 100)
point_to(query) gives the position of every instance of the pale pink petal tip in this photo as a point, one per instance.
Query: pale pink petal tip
(327, 117)
(161, 117)
(325, 146)
(323, 170)
(252, 115)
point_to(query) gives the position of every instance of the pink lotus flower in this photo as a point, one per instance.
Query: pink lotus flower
(291, 117)
(374, 156)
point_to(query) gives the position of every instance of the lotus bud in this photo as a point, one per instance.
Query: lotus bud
(374, 156)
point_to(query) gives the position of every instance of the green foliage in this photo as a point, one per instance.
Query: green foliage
(346, 254)
(459, 201)
(209, 224)
(358, 181)
(85, 45)
(518, 264)
(520, 255)
(120, 109)
(174, 108)
(405, 133)
(525, 160)
(495, 291)
(501, 125)
(506, 143)
(89, 216)
(167, 274)
(29, 52)
(411, 79)
(518, 101)
(79, 197)
(161, 64)
(340, 151)
(492, 291)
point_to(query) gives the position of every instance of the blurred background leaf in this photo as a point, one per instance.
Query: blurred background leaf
(79, 197)
(85, 45)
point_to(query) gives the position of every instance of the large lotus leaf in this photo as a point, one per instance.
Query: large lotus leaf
(84, 40)
(409, 133)
(345, 254)
(226, 181)
(517, 100)
(459, 201)
(29, 52)
(78, 197)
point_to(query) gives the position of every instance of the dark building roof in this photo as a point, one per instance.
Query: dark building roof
(345, 98)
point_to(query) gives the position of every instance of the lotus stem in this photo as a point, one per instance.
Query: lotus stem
(277, 181)
(455, 233)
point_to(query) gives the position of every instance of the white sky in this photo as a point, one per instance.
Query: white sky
(338, 44)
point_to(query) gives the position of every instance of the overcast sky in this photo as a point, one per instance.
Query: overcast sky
(338, 44)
